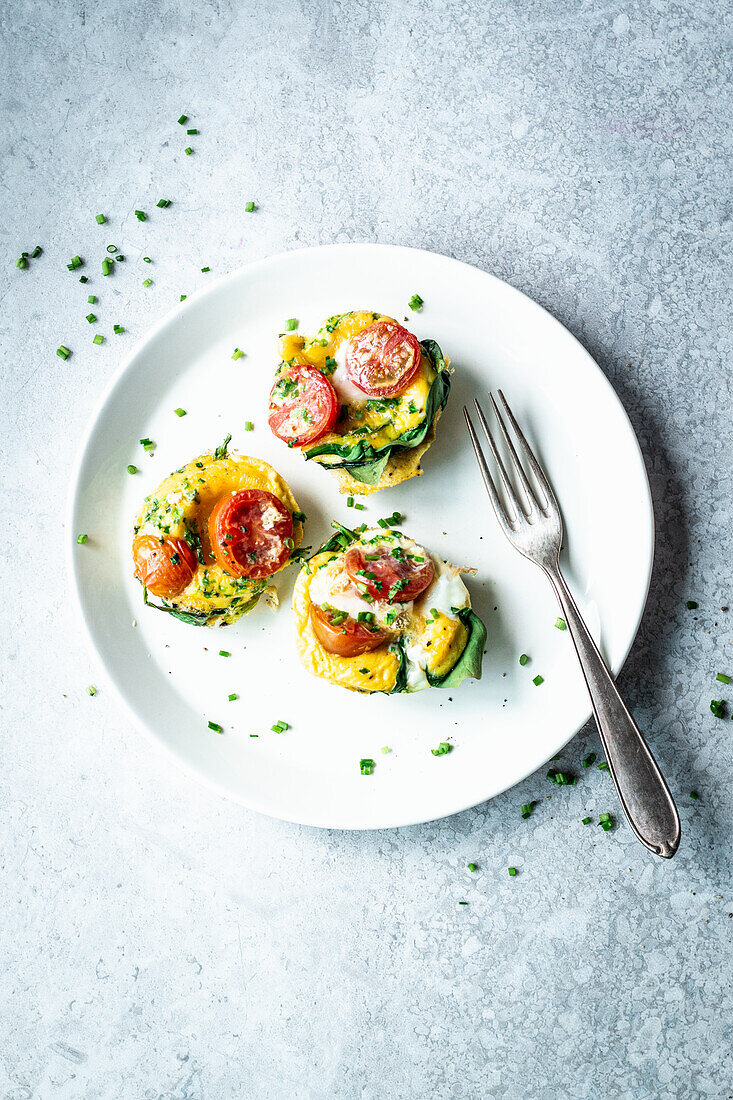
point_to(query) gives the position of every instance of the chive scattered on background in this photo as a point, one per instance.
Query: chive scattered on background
(118, 330)
(147, 260)
(112, 248)
(98, 339)
(563, 779)
(92, 299)
(248, 426)
(366, 766)
(224, 653)
(249, 207)
(83, 278)
(523, 659)
(692, 605)
(588, 760)
(37, 251)
(101, 219)
(415, 303)
(188, 150)
(280, 726)
(717, 706)
(587, 820)
(183, 297)
(191, 131)
(91, 318)
(442, 749)
(141, 215)
(385, 749)
(237, 353)
(722, 678)
(232, 697)
(22, 263)
(180, 412)
(63, 352)
(205, 269)
(560, 624)
(527, 809)
(81, 539)
(538, 680)
(162, 203)
(106, 267)
(147, 282)
(216, 727)
(603, 766)
(694, 794)
(471, 866)
(91, 690)
(183, 120)
(291, 324)
(76, 261)
(359, 507)
(132, 469)
(349, 502)
(605, 821)
(512, 871)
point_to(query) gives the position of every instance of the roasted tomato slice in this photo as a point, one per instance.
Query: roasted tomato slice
(382, 359)
(165, 566)
(251, 533)
(392, 574)
(303, 405)
(339, 633)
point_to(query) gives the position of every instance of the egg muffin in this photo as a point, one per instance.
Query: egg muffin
(377, 612)
(362, 398)
(211, 536)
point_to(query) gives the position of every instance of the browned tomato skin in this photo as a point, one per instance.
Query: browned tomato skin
(156, 569)
(232, 546)
(349, 639)
(383, 359)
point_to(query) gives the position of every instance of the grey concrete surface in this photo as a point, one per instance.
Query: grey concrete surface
(156, 941)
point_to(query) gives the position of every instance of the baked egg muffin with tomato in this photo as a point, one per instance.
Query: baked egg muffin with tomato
(362, 397)
(210, 538)
(375, 611)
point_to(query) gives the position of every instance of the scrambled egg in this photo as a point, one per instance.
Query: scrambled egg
(181, 506)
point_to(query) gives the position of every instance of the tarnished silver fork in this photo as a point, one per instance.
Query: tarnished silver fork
(533, 525)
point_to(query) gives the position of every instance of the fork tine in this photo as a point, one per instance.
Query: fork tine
(528, 453)
(505, 523)
(532, 502)
(508, 487)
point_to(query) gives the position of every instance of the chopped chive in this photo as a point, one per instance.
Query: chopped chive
(180, 412)
(366, 766)
(98, 339)
(291, 324)
(249, 207)
(162, 203)
(364, 671)
(76, 261)
(237, 353)
(119, 258)
(563, 779)
(37, 251)
(191, 131)
(605, 821)
(527, 809)
(523, 658)
(147, 282)
(141, 215)
(587, 820)
(224, 653)
(289, 542)
(463, 903)
(188, 150)
(603, 766)
(147, 260)
(248, 426)
(537, 680)
(183, 120)
(91, 690)
(415, 303)
(22, 263)
(561, 624)
(694, 794)
(717, 706)
(205, 269)
(91, 318)
(512, 871)
(442, 749)
(471, 866)
(254, 735)
(81, 539)
(692, 605)
(183, 297)
(385, 749)
(132, 469)
(101, 219)
(721, 676)
(299, 517)
(106, 267)
(112, 248)
(92, 299)
(118, 330)
(216, 727)
(63, 352)
(349, 502)
(232, 697)
(588, 760)
(360, 507)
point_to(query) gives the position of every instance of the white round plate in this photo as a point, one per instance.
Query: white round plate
(170, 674)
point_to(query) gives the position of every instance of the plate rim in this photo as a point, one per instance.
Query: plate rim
(74, 492)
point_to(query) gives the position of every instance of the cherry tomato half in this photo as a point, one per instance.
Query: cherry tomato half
(251, 533)
(165, 566)
(303, 405)
(395, 579)
(345, 637)
(382, 359)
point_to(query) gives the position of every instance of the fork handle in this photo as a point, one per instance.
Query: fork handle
(644, 795)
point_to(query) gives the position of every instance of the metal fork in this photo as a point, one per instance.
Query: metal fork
(533, 526)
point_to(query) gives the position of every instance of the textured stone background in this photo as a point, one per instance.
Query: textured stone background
(157, 941)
